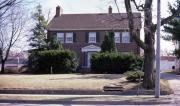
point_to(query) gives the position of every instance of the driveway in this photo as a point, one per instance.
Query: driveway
(174, 81)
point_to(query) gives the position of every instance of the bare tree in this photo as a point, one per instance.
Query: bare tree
(5, 5)
(149, 34)
(11, 30)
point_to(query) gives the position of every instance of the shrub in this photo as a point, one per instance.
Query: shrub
(138, 64)
(61, 61)
(33, 61)
(114, 63)
(134, 75)
(108, 45)
(53, 44)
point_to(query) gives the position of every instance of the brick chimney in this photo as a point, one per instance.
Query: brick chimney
(58, 11)
(110, 10)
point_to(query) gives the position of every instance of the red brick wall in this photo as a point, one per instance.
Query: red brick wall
(81, 42)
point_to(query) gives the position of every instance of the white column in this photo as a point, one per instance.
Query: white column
(18, 61)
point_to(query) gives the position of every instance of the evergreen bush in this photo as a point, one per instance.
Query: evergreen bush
(60, 61)
(114, 63)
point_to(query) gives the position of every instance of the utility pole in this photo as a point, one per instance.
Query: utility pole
(157, 83)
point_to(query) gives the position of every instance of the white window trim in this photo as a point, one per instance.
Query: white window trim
(117, 35)
(69, 34)
(123, 37)
(60, 35)
(91, 34)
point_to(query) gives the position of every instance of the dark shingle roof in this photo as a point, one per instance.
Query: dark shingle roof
(103, 21)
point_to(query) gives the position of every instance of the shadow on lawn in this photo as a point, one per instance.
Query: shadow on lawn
(92, 76)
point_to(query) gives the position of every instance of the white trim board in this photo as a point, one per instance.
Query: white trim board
(91, 48)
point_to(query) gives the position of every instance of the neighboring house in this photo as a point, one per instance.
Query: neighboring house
(84, 33)
(168, 63)
(16, 60)
(177, 46)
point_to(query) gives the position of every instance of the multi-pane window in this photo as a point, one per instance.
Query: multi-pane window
(117, 37)
(125, 37)
(60, 37)
(69, 37)
(92, 37)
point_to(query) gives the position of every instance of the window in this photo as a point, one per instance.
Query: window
(125, 37)
(69, 37)
(60, 37)
(92, 37)
(117, 37)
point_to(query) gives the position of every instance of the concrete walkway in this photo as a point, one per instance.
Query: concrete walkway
(174, 81)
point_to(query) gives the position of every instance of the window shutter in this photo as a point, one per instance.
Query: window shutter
(56, 36)
(74, 37)
(64, 38)
(85, 58)
(87, 37)
(131, 38)
(120, 37)
(97, 37)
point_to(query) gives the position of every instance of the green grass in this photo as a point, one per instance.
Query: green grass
(59, 81)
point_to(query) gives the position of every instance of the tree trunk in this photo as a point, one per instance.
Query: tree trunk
(149, 60)
(2, 67)
(149, 51)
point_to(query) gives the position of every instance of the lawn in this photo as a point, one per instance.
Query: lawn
(72, 83)
(60, 81)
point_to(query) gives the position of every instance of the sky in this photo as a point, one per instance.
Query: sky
(101, 6)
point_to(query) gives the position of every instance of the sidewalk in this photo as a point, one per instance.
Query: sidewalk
(86, 99)
(174, 81)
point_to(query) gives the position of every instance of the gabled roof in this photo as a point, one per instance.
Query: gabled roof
(104, 21)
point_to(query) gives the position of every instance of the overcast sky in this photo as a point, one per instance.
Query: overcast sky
(100, 6)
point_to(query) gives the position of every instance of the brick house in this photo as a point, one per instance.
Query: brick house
(84, 33)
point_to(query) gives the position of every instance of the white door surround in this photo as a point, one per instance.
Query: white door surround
(89, 55)
(91, 49)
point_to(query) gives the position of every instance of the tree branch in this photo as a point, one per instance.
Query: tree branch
(6, 3)
(166, 20)
(14, 25)
(132, 30)
(115, 1)
(169, 18)
(138, 7)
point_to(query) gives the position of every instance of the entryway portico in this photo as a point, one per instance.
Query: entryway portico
(88, 51)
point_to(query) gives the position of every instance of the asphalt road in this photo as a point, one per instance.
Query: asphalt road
(73, 100)
(10, 104)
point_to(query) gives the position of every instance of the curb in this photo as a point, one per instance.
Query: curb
(86, 102)
(78, 92)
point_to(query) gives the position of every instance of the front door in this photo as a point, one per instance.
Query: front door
(89, 55)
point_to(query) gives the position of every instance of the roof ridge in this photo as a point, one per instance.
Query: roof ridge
(93, 21)
(97, 13)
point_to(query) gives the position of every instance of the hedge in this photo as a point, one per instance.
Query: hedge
(60, 61)
(134, 76)
(115, 63)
